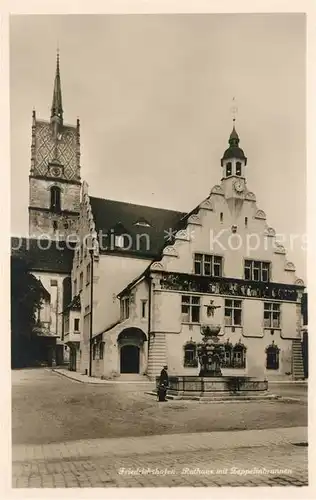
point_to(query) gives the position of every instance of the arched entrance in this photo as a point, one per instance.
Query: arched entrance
(129, 359)
(131, 350)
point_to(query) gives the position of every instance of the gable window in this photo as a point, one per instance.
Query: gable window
(144, 308)
(88, 276)
(233, 312)
(190, 355)
(272, 357)
(238, 168)
(207, 265)
(256, 270)
(228, 169)
(125, 308)
(190, 307)
(76, 324)
(55, 198)
(271, 315)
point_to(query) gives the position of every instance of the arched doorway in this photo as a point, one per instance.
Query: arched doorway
(129, 359)
(131, 350)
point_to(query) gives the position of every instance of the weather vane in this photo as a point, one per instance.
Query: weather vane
(234, 110)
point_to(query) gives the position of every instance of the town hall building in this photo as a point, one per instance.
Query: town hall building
(142, 284)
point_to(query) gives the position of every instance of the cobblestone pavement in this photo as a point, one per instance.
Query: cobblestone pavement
(240, 458)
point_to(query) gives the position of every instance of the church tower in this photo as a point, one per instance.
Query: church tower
(54, 181)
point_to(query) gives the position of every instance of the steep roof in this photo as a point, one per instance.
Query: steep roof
(117, 217)
(43, 255)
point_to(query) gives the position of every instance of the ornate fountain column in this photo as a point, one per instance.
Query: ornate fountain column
(210, 350)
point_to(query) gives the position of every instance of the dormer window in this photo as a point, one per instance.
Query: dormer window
(142, 223)
(228, 169)
(119, 241)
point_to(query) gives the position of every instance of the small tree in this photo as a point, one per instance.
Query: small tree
(27, 294)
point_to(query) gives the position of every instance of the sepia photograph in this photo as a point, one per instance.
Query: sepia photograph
(159, 288)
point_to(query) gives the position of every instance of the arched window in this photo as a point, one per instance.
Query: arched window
(190, 355)
(228, 169)
(228, 355)
(272, 357)
(55, 198)
(239, 356)
(238, 168)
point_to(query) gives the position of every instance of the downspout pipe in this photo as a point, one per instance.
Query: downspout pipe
(149, 315)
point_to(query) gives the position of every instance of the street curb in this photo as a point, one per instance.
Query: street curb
(164, 443)
(102, 382)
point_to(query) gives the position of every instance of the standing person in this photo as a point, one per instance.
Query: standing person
(163, 384)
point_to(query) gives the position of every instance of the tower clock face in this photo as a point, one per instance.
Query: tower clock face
(56, 171)
(238, 186)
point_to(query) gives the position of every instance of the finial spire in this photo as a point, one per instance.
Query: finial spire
(234, 110)
(57, 107)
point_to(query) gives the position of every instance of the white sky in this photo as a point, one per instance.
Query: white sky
(154, 92)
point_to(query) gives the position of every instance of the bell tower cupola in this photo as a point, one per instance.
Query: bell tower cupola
(234, 160)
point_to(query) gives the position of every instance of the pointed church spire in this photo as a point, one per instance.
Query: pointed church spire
(57, 107)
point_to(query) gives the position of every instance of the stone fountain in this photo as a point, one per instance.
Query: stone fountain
(211, 384)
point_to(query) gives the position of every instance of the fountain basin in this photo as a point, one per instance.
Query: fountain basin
(224, 387)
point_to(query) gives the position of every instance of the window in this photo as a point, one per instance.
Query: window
(94, 351)
(257, 271)
(76, 324)
(239, 356)
(119, 241)
(271, 315)
(101, 350)
(272, 357)
(238, 168)
(246, 221)
(55, 225)
(228, 169)
(55, 198)
(53, 282)
(234, 356)
(233, 312)
(190, 305)
(190, 355)
(125, 308)
(80, 281)
(88, 274)
(75, 287)
(207, 265)
(144, 308)
(221, 216)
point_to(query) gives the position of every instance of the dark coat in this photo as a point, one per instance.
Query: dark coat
(164, 378)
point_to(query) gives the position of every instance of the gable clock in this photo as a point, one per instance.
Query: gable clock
(239, 186)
